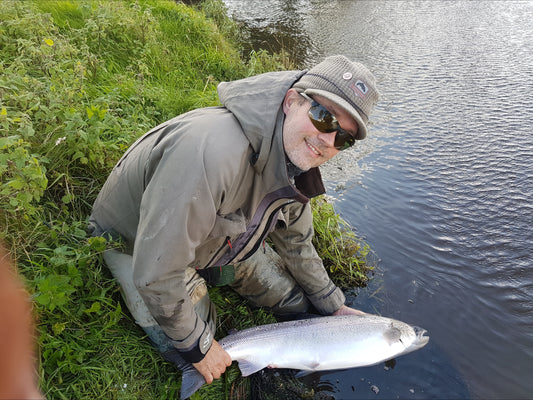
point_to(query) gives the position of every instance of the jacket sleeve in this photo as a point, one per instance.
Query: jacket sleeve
(294, 244)
(176, 214)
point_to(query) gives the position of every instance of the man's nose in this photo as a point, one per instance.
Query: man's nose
(328, 138)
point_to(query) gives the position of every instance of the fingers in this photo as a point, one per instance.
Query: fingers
(345, 310)
(214, 363)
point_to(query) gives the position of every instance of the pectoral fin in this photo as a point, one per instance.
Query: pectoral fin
(249, 368)
(392, 335)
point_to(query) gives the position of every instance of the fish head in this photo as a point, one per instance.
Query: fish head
(420, 340)
(405, 337)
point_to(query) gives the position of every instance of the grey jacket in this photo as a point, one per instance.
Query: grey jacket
(207, 178)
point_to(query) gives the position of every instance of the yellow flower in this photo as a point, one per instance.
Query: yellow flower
(4, 111)
(49, 42)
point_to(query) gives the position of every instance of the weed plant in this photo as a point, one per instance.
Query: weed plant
(344, 254)
(79, 82)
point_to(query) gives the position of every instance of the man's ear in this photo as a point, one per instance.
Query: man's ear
(291, 97)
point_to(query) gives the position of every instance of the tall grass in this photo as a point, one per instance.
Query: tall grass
(79, 82)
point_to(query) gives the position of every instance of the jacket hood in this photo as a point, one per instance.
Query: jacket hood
(257, 102)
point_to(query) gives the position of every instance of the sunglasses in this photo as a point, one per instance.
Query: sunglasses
(326, 122)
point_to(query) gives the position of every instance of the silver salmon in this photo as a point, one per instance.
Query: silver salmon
(317, 344)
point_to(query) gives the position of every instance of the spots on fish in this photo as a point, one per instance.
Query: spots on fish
(314, 365)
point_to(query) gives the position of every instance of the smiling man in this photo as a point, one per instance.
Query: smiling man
(194, 199)
(313, 142)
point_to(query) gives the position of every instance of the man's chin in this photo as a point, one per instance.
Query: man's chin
(300, 164)
(302, 168)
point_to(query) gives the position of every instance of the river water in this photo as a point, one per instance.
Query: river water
(442, 189)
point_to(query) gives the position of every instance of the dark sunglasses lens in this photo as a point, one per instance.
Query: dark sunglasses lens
(325, 122)
(321, 118)
(343, 140)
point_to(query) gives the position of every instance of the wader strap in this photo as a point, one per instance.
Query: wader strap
(218, 276)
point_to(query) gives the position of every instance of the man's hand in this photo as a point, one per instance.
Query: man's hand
(214, 363)
(345, 310)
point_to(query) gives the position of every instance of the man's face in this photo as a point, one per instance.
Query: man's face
(305, 145)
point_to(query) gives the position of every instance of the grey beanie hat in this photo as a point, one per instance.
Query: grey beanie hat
(348, 84)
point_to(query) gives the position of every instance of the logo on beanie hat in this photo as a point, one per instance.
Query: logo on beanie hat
(348, 84)
(360, 88)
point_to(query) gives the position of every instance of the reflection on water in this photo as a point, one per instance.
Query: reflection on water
(276, 26)
(443, 187)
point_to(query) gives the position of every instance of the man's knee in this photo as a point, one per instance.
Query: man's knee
(121, 266)
(264, 280)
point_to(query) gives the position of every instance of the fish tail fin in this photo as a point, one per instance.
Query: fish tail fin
(191, 381)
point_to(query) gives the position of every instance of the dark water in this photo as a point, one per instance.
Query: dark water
(442, 189)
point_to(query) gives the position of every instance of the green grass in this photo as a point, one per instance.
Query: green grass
(79, 82)
(343, 253)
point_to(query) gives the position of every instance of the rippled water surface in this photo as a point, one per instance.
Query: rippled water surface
(442, 189)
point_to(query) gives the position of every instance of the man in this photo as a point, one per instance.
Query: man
(195, 198)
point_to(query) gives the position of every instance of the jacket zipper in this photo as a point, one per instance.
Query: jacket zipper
(287, 196)
(266, 231)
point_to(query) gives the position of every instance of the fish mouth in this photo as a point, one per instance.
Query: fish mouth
(421, 339)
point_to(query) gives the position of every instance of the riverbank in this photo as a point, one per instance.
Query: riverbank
(80, 81)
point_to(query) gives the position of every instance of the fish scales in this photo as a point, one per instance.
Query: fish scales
(299, 345)
(325, 343)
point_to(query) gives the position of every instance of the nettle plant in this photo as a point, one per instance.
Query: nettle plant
(23, 174)
(64, 116)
